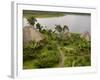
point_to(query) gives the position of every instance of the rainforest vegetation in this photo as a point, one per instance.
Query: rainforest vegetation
(59, 48)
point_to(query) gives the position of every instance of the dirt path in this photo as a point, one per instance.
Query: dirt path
(61, 64)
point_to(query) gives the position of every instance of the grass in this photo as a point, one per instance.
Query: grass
(29, 64)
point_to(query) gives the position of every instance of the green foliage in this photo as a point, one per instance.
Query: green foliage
(45, 54)
(47, 59)
(32, 20)
(75, 61)
(58, 28)
(39, 27)
(41, 14)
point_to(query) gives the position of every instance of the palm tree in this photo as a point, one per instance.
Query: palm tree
(63, 31)
(65, 28)
(32, 20)
(58, 28)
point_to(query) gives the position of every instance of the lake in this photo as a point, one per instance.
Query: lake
(76, 22)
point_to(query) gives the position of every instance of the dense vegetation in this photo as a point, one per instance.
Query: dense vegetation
(59, 48)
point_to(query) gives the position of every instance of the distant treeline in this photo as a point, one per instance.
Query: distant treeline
(42, 14)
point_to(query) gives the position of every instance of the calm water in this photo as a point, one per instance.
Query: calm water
(76, 23)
